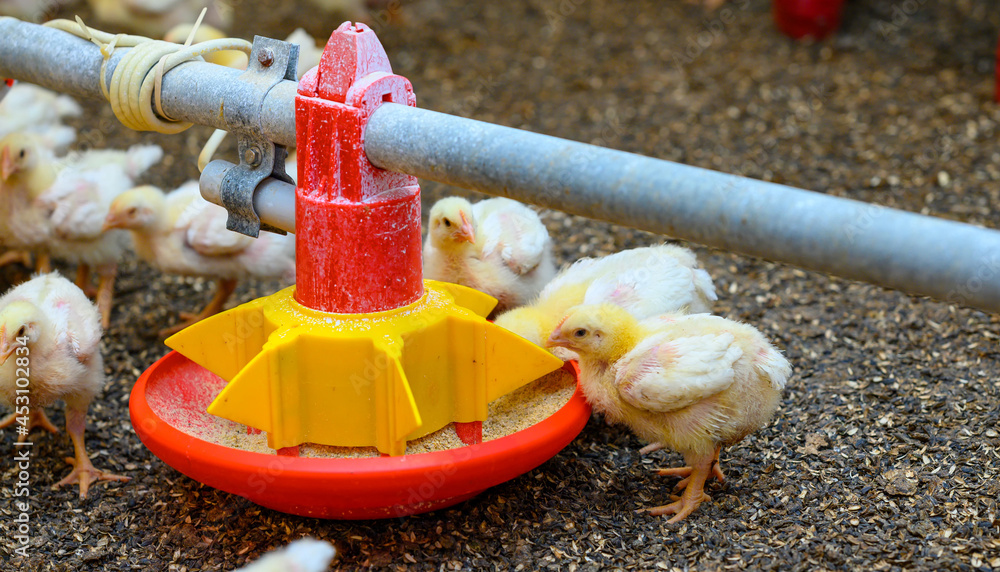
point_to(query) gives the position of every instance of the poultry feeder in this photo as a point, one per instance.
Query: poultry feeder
(361, 351)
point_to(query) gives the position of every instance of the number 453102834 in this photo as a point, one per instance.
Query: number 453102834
(22, 401)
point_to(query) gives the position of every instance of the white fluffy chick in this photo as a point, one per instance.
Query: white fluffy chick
(303, 555)
(692, 383)
(645, 281)
(57, 207)
(497, 246)
(153, 18)
(32, 109)
(50, 335)
(77, 204)
(182, 233)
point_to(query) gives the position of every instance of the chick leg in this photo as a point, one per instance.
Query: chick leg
(694, 492)
(105, 292)
(12, 256)
(36, 418)
(223, 291)
(83, 280)
(686, 472)
(83, 471)
(43, 264)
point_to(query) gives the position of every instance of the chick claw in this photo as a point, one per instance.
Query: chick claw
(85, 474)
(686, 473)
(680, 509)
(36, 418)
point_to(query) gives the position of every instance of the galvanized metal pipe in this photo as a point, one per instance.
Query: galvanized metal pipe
(273, 200)
(916, 254)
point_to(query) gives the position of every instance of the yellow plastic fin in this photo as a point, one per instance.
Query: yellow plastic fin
(480, 303)
(512, 361)
(225, 343)
(249, 396)
(401, 417)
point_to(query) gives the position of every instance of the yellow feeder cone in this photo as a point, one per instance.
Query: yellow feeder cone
(356, 380)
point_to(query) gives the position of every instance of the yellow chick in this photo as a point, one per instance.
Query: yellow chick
(182, 233)
(692, 383)
(646, 281)
(497, 246)
(27, 170)
(229, 58)
(50, 337)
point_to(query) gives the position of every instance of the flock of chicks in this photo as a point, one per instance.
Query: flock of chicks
(650, 354)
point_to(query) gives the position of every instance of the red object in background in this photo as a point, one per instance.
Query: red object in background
(9, 82)
(357, 245)
(996, 72)
(168, 403)
(801, 18)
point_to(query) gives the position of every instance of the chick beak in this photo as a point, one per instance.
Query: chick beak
(110, 222)
(6, 164)
(556, 340)
(6, 348)
(466, 231)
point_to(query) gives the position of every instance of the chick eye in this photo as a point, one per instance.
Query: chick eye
(580, 333)
(20, 332)
(132, 211)
(21, 154)
(447, 222)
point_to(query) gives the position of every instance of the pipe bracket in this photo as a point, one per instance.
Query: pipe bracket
(271, 62)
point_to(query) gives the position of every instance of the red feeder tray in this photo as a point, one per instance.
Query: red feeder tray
(175, 388)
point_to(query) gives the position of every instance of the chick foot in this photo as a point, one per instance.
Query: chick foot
(686, 472)
(36, 418)
(681, 508)
(650, 448)
(83, 472)
(694, 490)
